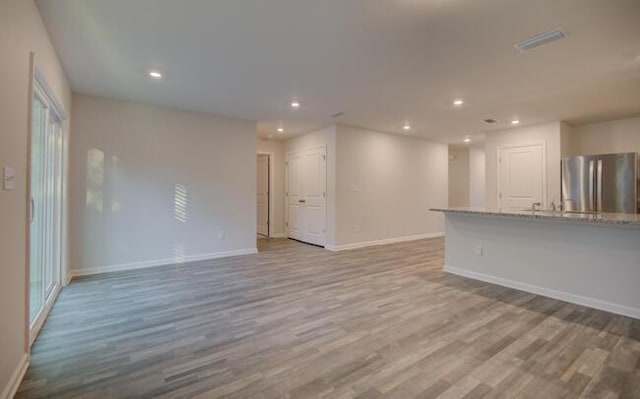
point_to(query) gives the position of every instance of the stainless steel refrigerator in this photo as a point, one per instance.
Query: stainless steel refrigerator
(601, 183)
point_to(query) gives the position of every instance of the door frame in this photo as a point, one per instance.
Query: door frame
(286, 189)
(38, 86)
(270, 208)
(543, 145)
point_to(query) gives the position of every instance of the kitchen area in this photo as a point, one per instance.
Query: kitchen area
(561, 219)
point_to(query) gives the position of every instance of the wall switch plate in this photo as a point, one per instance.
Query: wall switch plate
(478, 249)
(221, 235)
(8, 178)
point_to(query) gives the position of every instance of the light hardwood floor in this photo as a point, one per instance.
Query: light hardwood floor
(298, 321)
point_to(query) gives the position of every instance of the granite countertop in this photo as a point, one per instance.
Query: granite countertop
(597, 218)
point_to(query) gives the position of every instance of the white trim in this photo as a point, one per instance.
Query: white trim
(34, 329)
(560, 295)
(160, 262)
(10, 390)
(41, 81)
(271, 207)
(365, 244)
(543, 144)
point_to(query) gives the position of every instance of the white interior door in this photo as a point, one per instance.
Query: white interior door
(306, 196)
(263, 194)
(521, 176)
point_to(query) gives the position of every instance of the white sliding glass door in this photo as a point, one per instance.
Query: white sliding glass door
(46, 209)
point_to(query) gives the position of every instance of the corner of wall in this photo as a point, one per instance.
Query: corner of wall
(12, 386)
(565, 139)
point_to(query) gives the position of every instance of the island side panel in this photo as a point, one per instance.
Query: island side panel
(584, 263)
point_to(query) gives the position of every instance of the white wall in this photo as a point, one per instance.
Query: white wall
(593, 265)
(318, 138)
(622, 135)
(276, 148)
(459, 177)
(21, 31)
(152, 185)
(379, 186)
(385, 185)
(549, 133)
(565, 139)
(477, 177)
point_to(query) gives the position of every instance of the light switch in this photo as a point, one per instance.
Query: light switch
(8, 178)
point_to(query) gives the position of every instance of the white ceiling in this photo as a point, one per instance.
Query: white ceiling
(381, 62)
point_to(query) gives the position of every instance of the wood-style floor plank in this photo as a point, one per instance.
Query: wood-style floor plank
(297, 321)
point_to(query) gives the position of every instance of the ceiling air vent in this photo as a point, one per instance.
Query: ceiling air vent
(539, 40)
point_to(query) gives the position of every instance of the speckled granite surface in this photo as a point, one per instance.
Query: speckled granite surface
(596, 218)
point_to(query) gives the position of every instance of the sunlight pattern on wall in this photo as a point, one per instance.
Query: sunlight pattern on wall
(180, 203)
(116, 204)
(179, 252)
(181, 215)
(95, 179)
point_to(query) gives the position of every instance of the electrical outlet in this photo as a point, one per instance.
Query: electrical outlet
(478, 250)
(356, 228)
(221, 235)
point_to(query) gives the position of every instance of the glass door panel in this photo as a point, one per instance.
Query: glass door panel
(38, 168)
(46, 209)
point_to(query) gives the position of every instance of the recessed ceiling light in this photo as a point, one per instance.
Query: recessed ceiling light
(458, 102)
(515, 122)
(155, 74)
(406, 126)
(280, 130)
(467, 140)
(295, 104)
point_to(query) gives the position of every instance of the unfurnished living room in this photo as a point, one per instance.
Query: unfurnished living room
(320, 199)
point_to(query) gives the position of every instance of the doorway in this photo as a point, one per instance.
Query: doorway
(263, 192)
(306, 195)
(46, 206)
(521, 176)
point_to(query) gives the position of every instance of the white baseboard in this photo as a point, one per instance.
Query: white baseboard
(16, 378)
(365, 244)
(160, 262)
(561, 295)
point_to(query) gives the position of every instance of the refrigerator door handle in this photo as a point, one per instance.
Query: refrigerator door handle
(32, 210)
(599, 186)
(592, 182)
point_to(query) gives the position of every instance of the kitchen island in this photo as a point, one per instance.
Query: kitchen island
(587, 259)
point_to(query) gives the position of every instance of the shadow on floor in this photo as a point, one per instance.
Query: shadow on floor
(597, 319)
